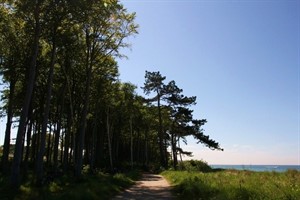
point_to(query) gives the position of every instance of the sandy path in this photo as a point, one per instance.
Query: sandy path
(151, 186)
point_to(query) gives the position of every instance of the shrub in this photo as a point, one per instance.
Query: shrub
(194, 165)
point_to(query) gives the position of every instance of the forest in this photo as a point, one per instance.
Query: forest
(63, 95)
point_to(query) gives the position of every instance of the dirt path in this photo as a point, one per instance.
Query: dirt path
(151, 186)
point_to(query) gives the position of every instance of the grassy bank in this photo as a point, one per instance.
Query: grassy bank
(234, 184)
(98, 186)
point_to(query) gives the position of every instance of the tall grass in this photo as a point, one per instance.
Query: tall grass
(234, 184)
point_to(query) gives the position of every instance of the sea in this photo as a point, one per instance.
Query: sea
(259, 168)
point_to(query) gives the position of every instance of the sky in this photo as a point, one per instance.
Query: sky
(240, 58)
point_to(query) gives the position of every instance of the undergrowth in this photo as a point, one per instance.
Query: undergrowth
(91, 186)
(234, 184)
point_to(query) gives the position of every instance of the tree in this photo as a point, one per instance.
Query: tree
(178, 123)
(154, 83)
(55, 21)
(15, 175)
(104, 35)
(180, 115)
(11, 55)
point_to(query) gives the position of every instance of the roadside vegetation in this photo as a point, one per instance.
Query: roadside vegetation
(232, 184)
(91, 186)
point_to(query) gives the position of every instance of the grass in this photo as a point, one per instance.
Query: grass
(234, 184)
(98, 186)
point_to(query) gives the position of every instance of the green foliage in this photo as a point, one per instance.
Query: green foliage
(194, 165)
(96, 186)
(234, 184)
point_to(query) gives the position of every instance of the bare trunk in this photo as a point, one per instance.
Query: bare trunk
(93, 142)
(146, 147)
(67, 143)
(57, 132)
(179, 152)
(6, 146)
(160, 135)
(174, 150)
(34, 142)
(109, 140)
(28, 137)
(131, 142)
(15, 174)
(48, 155)
(81, 133)
(39, 161)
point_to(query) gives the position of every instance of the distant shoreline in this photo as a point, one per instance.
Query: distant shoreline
(259, 168)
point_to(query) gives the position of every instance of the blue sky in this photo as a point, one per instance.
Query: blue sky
(241, 60)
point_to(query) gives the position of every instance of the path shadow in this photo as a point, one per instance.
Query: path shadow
(150, 177)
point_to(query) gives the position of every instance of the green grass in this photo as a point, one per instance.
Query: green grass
(234, 184)
(98, 186)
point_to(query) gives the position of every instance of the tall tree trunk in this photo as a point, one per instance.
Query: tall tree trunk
(67, 143)
(57, 132)
(15, 174)
(160, 135)
(93, 142)
(174, 150)
(6, 146)
(131, 142)
(34, 142)
(48, 154)
(165, 150)
(70, 119)
(39, 161)
(109, 140)
(81, 132)
(179, 152)
(28, 137)
(146, 147)
(27, 151)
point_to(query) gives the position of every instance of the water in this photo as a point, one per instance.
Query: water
(259, 168)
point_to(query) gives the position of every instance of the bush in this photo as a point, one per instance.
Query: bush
(194, 165)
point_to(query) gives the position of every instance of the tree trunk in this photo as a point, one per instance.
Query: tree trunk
(146, 147)
(160, 135)
(39, 161)
(179, 152)
(81, 133)
(6, 146)
(28, 137)
(93, 142)
(174, 151)
(131, 142)
(67, 142)
(57, 132)
(48, 154)
(70, 124)
(34, 142)
(15, 174)
(109, 140)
